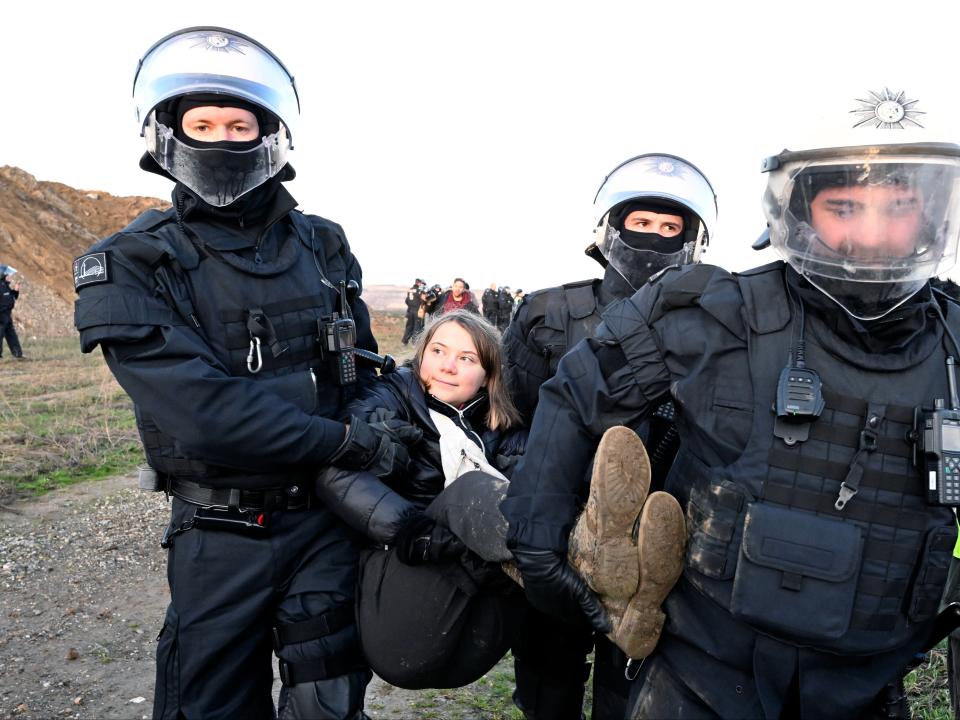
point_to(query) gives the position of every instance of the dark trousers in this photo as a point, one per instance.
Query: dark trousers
(550, 656)
(411, 328)
(228, 591)
(8, 332)
(444, 624)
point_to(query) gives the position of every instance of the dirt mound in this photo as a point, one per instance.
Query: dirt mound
(43, 227)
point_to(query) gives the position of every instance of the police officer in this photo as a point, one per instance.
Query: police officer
(9, 292)
(652, 211)
(491, 306)
(815, 559)
(505, 307)
(413, 302)
(229, 320)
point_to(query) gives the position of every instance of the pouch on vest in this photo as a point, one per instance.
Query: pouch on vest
(797, 573)
(713, 520)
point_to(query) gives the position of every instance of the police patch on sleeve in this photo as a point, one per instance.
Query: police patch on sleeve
(90, 269)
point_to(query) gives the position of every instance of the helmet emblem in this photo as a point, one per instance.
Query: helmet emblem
(886, 110)
(218, 42)
(665, 166)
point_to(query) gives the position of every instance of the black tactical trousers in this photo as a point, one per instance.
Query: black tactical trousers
(8, 332)
(228, 592)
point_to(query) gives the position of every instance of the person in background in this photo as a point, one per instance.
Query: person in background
(490, 305)
(9, 292)
(457, 297)
(504, 307)
(413, 302)
(652, 211)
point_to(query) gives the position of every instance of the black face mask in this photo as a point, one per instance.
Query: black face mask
(652, 241)
(646, 240)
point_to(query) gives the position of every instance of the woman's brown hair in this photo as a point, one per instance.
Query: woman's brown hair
(502, 413)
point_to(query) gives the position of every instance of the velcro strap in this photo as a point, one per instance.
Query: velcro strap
(313, 628)
(350, 660)
(120, 309)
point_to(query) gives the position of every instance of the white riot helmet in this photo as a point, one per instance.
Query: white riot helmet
(664, 184)
(869, 213)
(214, 61)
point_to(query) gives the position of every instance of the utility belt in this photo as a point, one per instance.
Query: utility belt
(293, 497)
(246, 512)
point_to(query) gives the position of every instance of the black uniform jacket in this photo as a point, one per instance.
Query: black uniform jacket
(174, 355)
(778, 580)
(378, 507)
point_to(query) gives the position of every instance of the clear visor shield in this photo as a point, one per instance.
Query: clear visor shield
(637, 265)
(217, 175)
(220, 61)
(869, 231)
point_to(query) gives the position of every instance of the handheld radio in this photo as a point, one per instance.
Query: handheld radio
(937, 445)
(338, 342)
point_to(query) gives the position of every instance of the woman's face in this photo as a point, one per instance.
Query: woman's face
(451, 368)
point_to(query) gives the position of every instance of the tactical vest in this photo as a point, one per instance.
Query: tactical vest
(567, 322)
(766, 540)
(233, 302)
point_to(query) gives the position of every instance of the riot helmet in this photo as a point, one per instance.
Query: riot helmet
(869, 220)
(218, 67)
(659, 185)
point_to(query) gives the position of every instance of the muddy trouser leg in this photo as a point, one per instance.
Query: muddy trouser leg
(657, 693)
(470, 507)
(214, 653)
(551, 668)
(321, 665)
(437, 625)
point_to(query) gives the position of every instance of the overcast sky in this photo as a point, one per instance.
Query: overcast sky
(453, 138)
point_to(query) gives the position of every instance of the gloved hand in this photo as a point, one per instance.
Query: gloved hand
(364, 448)
(553, 587)
(421, 540)
(386, 422)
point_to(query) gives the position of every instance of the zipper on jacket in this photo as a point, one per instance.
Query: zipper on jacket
(464, 423)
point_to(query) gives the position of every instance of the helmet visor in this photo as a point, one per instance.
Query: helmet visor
(870, 229)
(216, 174)
(637, 265)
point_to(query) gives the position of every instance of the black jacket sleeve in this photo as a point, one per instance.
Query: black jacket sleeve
(595, 388)
(168, 366)
(361, 499)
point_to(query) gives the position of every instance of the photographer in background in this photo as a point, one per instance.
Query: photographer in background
(9, 292)
(414, 302)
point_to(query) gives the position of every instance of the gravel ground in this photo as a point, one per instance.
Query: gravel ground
(82, 600)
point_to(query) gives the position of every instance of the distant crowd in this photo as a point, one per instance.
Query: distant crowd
(497, 304)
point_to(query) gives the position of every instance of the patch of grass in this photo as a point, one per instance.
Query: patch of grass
(927, 687)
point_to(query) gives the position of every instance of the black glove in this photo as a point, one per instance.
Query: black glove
(421, 540)
(386, 422)
(366, 449)
(553, 587)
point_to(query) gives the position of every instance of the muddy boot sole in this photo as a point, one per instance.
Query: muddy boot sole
(602, 547)
(661, 542)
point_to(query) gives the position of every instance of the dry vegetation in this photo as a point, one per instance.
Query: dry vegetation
(64, 419)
